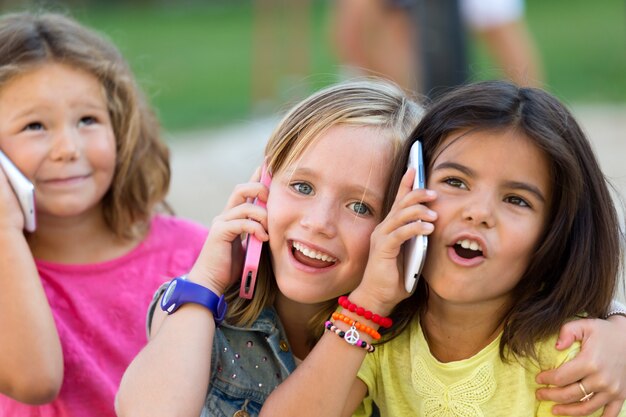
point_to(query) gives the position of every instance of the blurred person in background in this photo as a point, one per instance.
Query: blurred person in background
(281, 58)
(421, 45)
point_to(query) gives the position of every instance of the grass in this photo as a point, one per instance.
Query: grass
(195, 61)
(582, 45)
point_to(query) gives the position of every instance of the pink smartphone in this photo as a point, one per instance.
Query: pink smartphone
(253, 251)
(23, 189)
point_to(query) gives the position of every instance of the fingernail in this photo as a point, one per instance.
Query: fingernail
(429, 227)
(431, 193)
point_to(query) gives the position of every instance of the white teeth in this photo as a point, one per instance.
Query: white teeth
(469, 244)
(310, 253)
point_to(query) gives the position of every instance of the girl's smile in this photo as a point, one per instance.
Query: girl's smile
(493, 198)
(305, 255)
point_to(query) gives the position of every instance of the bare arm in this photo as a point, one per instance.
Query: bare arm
(174, 365)
(514, 51)
(31, 359)
(325, 384)
(171, 375)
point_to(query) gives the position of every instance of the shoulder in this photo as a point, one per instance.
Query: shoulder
(175, 233)
(550, 357)
(176, 226)
(392, 352)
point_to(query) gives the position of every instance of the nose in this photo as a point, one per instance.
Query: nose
(65, 145)
(320, 217)
(479, 211)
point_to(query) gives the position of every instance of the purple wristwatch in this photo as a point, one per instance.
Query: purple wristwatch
(180, 291)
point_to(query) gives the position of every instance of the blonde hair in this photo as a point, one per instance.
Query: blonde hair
(142, 171)
(369, 102)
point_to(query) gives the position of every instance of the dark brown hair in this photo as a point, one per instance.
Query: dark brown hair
(576, 263)
(142, 171)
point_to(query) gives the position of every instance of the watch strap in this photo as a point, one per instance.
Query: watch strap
(185, 291)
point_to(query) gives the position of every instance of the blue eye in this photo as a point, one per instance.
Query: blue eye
(455, 182)
(360, 208)
(518, 201)
(34, 126)
(302, 188)
(87, 121)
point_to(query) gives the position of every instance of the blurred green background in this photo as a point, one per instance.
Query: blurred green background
(195, 59)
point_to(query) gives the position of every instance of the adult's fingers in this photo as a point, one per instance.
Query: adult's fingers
(613, 408)
(581, 408)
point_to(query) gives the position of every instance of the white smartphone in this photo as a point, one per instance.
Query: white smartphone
(23, 189)
(415, 248)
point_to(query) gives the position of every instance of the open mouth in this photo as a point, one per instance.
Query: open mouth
(468, 249)
(311, 257)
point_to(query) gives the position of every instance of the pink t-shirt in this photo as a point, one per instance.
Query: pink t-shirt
(100, 313)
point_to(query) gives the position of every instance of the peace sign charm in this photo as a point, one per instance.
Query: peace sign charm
(352, 336)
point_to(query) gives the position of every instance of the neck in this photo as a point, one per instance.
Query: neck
(79, 239)
(459, 331)
(295, 318)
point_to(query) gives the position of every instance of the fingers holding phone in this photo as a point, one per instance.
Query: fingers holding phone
(220, 260)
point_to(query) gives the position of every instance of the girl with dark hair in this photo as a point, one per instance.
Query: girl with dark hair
(526, 238)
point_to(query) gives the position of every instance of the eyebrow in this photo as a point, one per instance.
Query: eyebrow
(517, 185)
(365, 193)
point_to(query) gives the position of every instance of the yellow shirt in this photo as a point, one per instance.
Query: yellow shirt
(404, 379)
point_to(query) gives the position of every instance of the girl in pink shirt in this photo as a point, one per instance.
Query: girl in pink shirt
(75, 291)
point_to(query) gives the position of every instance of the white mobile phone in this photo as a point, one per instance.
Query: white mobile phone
(415, 248)
(23, 189)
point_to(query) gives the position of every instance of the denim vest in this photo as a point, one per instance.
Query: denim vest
(246, 364)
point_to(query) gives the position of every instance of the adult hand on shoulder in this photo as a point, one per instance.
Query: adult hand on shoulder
(382, 286)
(600, 367)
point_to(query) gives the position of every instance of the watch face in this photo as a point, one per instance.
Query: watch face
(169, 292)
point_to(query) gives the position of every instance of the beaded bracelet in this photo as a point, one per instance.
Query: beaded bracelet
(351, 336)
(357, 325)
(385, 322)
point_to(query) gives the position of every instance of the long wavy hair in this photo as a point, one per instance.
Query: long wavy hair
(368, 102)
(576, 263)
(142, 172)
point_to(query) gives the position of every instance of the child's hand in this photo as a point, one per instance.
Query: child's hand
(600, 366)
(219, 262)
(382, 286)
(11, 216)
